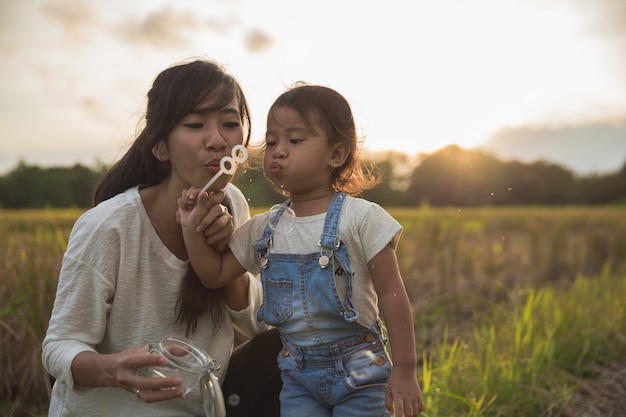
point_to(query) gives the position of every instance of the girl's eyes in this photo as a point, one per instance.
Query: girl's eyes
(270, 143)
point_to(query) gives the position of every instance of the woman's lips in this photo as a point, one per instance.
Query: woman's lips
(213, 166)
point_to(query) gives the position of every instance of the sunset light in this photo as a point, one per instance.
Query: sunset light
(419, 74)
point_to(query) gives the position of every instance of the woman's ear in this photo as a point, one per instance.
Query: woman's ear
(339, 155)
(160, 151)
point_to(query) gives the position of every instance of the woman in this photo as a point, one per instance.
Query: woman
(126, 281)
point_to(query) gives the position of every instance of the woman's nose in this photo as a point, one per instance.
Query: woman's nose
(213, 139)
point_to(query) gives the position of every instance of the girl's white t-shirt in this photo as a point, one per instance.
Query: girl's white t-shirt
(365, 227)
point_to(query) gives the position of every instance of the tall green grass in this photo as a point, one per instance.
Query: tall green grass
(527, 357)
(514, 308)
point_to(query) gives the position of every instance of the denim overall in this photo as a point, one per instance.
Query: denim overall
(331, 365)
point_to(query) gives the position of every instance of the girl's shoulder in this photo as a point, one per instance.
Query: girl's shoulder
(361, 213)
(361, 206)
(237, 204)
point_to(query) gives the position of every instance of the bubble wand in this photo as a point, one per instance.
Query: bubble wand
(239, 154)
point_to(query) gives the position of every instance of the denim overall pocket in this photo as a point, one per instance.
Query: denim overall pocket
(278, 307)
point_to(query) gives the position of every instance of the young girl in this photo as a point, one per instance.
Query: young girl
(325, 269)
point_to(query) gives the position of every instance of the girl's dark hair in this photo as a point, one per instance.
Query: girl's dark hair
(174, 94)
(335, 117)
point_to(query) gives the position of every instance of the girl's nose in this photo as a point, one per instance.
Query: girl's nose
(280, 150)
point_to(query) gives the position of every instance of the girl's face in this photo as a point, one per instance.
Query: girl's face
(198, 142)
(296, 159)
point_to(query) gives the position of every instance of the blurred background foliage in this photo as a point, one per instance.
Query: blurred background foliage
(452, 176)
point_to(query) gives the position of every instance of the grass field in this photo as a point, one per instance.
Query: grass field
(518, 311)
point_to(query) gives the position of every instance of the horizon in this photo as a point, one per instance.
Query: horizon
(412, 160)
(76, 72)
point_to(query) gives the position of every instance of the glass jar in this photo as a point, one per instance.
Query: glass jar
(193, 366)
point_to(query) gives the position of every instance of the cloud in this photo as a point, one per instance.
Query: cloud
(587, 148)
(608, 17)
(94, 108)
(257, 41)
(77, 17)
(170, 28)
(161, 28)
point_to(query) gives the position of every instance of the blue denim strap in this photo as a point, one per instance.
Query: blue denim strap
(262, 245)
(331, 245)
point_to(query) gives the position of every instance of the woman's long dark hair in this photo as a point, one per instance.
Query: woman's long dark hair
(174, 94)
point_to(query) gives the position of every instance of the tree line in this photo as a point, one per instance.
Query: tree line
(452, 176)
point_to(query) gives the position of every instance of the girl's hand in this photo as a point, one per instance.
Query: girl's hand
(217, 225)
(404, 392)
(206, 215)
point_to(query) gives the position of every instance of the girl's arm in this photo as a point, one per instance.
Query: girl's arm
(215, 270)
(403, 390)
(236, 293)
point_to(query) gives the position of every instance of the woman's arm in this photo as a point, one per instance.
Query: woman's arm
(80, 316)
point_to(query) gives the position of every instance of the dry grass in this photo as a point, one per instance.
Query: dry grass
(485, 256)
(31, 245)
(604, 396)
(458, 265)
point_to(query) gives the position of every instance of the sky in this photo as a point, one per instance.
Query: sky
(419, 74)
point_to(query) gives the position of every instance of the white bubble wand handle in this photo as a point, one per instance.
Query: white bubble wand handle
(239, 154)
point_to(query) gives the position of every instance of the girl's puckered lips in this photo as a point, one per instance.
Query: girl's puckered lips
(275, 168)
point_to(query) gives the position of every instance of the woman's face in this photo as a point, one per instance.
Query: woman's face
(197, 143)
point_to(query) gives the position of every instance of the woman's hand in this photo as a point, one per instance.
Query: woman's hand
(206, 215)
(91, 369)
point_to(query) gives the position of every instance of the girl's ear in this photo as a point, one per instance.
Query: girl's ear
(160, 151)
(339, 155)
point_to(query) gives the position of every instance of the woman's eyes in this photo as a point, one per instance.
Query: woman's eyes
(200, 125)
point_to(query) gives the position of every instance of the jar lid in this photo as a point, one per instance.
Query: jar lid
(184, 354)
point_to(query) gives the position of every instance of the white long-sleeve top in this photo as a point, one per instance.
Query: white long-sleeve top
(117, 289)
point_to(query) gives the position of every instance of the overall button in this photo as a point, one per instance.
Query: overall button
(369, 338)
(379, 360)
(285, 352)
